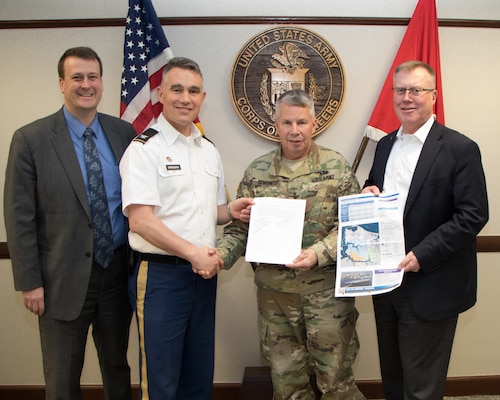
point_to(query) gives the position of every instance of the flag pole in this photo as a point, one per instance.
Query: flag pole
(359, 154)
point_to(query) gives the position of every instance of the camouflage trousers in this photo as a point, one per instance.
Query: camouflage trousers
(306, 335)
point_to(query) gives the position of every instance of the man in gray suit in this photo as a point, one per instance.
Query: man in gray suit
(50, 233)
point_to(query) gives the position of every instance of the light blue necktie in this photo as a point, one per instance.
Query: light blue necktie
(101, 222)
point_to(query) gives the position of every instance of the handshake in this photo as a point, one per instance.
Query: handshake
(208, 263)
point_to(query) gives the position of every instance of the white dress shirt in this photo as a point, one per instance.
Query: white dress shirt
(403, 160)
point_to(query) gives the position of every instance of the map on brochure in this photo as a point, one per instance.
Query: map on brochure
(370, 245)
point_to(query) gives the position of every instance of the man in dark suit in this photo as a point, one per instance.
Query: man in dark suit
(439, 176)
(50, 233)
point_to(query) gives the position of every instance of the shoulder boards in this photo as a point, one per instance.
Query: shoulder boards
(146, 135)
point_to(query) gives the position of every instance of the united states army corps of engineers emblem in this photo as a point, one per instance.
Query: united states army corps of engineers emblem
(280, 59)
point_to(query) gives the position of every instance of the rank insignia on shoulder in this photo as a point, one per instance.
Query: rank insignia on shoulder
(146, 135)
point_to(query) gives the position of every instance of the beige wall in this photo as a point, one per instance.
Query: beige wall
(469, 56)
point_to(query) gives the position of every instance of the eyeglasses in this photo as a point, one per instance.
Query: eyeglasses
(414, 91)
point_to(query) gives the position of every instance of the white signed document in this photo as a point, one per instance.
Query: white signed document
(275, 230)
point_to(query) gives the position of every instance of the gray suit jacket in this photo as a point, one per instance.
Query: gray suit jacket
(47, 214)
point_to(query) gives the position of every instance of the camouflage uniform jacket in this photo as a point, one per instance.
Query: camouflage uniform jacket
(321, 179)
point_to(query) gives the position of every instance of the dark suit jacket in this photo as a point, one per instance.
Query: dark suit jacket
(446, 208)
(47, 213)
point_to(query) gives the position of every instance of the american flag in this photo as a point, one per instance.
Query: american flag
(145, 53)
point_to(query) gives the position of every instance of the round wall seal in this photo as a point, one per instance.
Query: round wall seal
(280, 59)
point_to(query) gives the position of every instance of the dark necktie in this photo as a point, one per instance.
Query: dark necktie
(101, 222)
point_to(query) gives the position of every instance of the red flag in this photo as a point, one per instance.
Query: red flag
(146, 52)
(420, 42)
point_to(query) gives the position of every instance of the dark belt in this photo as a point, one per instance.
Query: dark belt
(164, 259)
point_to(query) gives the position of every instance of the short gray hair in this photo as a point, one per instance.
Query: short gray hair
(296, 97)
(183, 63)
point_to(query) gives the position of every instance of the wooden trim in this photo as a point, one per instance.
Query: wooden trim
(225, 391)
(110, 22)
(460, 386)
(472, 385)
(488, 244)
(221, 391)
(4, 251)
(455, 386)
(257, 385)
(485, 244)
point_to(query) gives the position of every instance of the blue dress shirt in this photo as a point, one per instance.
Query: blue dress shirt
(112, 179)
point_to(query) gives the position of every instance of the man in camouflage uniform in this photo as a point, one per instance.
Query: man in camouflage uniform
(304, 329)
